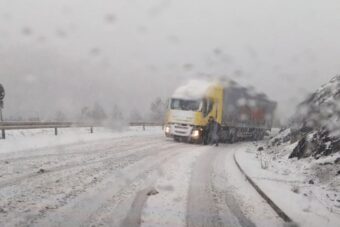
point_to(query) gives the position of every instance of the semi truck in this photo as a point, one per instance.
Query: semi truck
(241, 112)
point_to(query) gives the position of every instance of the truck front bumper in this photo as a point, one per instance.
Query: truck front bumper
(191, 133)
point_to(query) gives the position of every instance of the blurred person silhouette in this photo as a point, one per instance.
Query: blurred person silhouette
(212, 132)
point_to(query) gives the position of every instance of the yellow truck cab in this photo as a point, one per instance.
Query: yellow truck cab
(190, 108)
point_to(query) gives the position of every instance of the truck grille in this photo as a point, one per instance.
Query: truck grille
(182, 129)
(181, 126)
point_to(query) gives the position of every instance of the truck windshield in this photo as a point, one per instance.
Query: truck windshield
(189, 105)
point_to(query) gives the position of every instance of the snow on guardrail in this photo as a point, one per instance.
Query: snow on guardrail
(12, 125)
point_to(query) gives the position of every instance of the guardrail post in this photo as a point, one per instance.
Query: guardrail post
(56, 131)
(3, 133)
(91, 129)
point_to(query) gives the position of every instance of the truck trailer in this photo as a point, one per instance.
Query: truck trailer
(241, 112)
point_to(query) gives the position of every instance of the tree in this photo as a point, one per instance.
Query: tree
(117, 121)
(98, 113)
(85, 115)
(116, 114)
(158, 109)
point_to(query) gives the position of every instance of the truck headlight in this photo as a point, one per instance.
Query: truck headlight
(195, 133)
(167, 129)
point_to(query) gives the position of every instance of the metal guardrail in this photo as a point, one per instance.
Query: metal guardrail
(4, 126)
(145, 124)
(15, 125)
(32, 125)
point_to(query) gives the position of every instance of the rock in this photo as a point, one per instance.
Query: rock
(337, 161)
(276, 142)
(152, 192)
(300, 149)
(260, 149)
(41, 171)
(325, 164)
(311, 126)
(296, 189)
(311, 182)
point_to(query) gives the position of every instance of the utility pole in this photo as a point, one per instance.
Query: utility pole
(2, 96)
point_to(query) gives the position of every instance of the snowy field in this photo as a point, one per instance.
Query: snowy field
(17, 140)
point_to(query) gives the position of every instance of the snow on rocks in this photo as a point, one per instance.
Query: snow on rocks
(316, 124)
(306, 156)
(303, 172)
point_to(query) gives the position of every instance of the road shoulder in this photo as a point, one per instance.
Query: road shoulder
(279, 189)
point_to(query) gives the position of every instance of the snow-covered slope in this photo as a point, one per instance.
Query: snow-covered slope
(316, 125)
(322, 108)
(309, 150)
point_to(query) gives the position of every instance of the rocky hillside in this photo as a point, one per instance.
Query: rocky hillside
(309, 149)
(316, 124)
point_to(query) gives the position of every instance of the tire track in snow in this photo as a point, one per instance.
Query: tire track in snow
(96, 205)
(202, 210)
(37, 212)
(121, 203)
(208, 204)
(47, 171)
(229, 207)
(134, 216)
(120, 144)
(169, 207)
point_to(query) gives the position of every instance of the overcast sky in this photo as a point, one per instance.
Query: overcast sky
(65, 54)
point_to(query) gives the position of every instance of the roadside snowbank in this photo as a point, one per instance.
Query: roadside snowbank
(301, 188)
(17, 140)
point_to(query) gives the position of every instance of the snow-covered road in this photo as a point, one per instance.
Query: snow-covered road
(140, 180)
